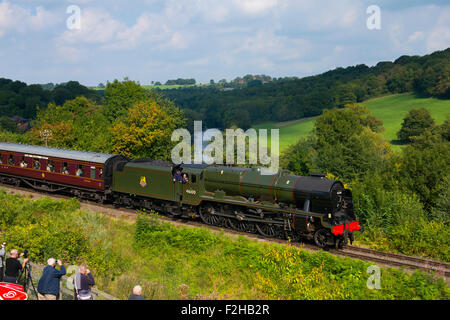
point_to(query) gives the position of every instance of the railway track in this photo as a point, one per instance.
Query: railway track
(387, 259)
(396, 260)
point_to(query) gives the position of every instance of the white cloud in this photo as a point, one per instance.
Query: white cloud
(97, 26)
(255, 6)
(14, 18)
(439, 39)
(418, 35)
(267, 42)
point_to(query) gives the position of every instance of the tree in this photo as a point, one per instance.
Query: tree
(414, 124)
(345, 96)
(297, 157)
(146, 131)
(345, 144)
(120, 96)
(78, 124)
(441, 209)
(424, 165)
(7, 124)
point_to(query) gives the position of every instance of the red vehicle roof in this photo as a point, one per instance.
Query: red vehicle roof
(10, 291)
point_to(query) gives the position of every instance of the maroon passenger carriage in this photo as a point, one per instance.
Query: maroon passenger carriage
(83, 174)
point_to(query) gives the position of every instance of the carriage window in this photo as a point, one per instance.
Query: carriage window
(11, 159)
(1, 158)
(50, 166)
(23, 163)
(92, 172)
(65, 168)
(36, 164)
(100, 172)
(80, 171)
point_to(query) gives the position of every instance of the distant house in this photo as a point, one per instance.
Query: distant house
(23, 124)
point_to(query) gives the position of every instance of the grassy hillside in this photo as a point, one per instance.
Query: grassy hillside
(391, 110)
(181, 262)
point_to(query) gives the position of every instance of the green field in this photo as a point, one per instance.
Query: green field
(290, 131)
(391, 110)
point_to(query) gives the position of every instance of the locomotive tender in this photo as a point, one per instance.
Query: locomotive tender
(279, 205)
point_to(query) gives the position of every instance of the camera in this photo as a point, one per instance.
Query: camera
(25, 253)
(3, 244)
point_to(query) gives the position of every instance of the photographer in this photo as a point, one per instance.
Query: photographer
(13, 266)
(2, 259)
(48, 285)
(83, 281)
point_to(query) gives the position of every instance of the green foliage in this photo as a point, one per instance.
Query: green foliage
(180, 81)
(146, 131)
(173, 262)
(398, 198)
(345, 145)
(297, 157)
(18, 98)
(269, 271)
(120, 96)
(150, 230)
(267, 99)
(78, 124)
(7, 124)
(441, 210)
(424, 165)
(342, 143)
(49, 228)
(416, 122)
(377, 207)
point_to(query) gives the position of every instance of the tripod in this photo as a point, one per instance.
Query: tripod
(28, 279)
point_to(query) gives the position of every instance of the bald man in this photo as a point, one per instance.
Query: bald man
(13, 266)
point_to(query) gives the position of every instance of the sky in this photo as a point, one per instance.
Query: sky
(95, 41)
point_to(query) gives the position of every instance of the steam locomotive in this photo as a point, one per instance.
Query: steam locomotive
(277, 205)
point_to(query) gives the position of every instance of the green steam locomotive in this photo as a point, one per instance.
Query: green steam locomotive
(278, 205)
